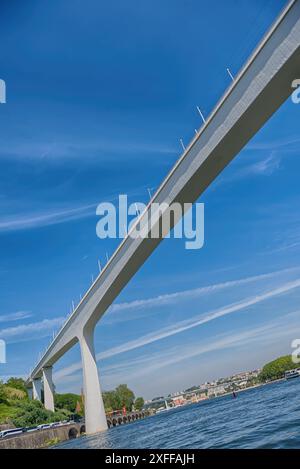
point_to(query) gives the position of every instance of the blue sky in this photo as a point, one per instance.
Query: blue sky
(98, 96)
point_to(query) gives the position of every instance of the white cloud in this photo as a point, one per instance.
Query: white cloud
(24, 332)
(45, 218)
(17, 316)
(146, 364)
(113, 315)
(61, 214)
(273, 145)
(266, 166)
(182, 326)
(107, 150)
(136, 367)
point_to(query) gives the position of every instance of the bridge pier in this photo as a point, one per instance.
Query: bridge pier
(48, 388)
(37, 389)
(95, 418)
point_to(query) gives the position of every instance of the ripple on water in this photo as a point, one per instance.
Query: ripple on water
(264, 417)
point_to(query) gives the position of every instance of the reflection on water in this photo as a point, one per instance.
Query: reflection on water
(265, 417)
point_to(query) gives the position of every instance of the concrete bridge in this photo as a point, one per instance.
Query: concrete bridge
(263, 84)
(120, 419)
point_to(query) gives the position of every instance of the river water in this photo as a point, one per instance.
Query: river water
(264, 417)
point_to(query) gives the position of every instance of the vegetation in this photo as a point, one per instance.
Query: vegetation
(276, 368)
(16, 408)
(52, 442)
(7, 413)
(9, 396)
(3, 397)
(69, 402)
(16, 383)
(32, 413)
(119, 398)
(139, 403)
(14, 393)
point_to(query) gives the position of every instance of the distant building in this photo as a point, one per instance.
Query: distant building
(215, 391)
(243, 384)
(174, 394)
(178, 400)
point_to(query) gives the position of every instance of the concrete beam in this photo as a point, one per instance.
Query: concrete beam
(37, 389)
(95, 418)
(48, 388)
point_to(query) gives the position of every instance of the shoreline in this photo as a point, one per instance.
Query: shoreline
(220, 396)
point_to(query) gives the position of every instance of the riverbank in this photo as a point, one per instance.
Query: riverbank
(265, 416)
(259, 385)
(43, 438)
(237, 392)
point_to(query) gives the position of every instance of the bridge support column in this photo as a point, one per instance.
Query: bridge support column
(37, 389)
(48, 388)
(95, 418)
(30, 393)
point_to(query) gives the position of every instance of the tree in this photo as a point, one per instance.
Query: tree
(14, 393)
(78, 409)
(17, 383)
(121, 397)
(111, 401)
(67, 401)
(33, 413)
(2, 393)
(139, 403)
(125, 396)
(276, 368)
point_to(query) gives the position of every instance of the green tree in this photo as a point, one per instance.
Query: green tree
(121, 397)
(125, 396)
(67, 401)
(3, 398)
(139, 403)
(276, 368)
(14, 393)
(33, 413)
(17, 383)
(111, 401)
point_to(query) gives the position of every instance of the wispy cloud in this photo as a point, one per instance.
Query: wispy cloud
(185, 325)
(45, 218)
(274, 144)
(25, 332)
(100, 151)
(258, 166)
(266, 166)
(17, 316)
(145, 364)
(114, 315)
(262, 167)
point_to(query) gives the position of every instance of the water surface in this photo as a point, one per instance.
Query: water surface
(264, 417)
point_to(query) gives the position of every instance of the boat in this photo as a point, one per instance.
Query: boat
(292, 373)
(164, 409)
